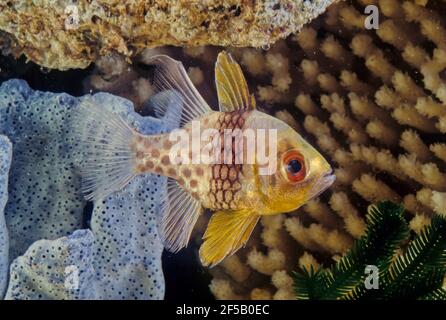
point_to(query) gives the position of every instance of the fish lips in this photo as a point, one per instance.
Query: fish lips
(322, 184)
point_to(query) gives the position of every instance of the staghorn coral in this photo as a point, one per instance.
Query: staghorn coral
(45, 202)
(65, 35)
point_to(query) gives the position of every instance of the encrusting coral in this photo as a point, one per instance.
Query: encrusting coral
(113, 254)
(65, 35)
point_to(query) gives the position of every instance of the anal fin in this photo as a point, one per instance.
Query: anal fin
(227, 232)
(180, 213)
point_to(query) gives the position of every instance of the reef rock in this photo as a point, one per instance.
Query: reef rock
(64, 34)
(116, 254)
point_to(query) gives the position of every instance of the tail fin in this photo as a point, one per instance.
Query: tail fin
(106, 142)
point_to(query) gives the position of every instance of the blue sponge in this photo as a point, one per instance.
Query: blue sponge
(5, 162)
(115, 253)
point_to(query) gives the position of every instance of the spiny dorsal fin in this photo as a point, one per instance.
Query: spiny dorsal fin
(171, 75)
(180, 213)
(168, 106)
(232, 89)
(227, 232)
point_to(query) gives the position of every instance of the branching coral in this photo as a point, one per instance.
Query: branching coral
(67, 35)
(117, 252)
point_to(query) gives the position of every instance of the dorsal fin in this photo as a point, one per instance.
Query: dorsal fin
(167, 106)
(171, 75)
(232, 89)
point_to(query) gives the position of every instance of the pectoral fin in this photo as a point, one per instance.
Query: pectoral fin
(227, 232)
(232, 89)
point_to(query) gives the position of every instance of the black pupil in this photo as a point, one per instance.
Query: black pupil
(294, 166)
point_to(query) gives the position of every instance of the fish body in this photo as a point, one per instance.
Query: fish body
(218, 186)
(229, 172)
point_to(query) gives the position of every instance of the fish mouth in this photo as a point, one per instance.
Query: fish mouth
(323, 184)
(328, 180)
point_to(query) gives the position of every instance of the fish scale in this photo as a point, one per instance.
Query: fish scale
(222, 186)
(225, 181)
(152, 156)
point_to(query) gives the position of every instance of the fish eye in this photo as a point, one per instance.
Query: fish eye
(294, 165)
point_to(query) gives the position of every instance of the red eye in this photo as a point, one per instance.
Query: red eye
(294, 166)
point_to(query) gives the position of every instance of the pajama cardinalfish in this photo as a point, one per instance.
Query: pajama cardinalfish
(237, 194)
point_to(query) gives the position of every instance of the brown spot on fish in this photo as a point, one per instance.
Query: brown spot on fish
(139, 139)
(165, 160)
(147, 143)
(199, 171)
(171, 172)
(150, 164)
(180, 181)
(195, 195)
(159, 170)
(193, 183)
(187, 172)
(139, 155)
(155, 153)
(167, 144)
